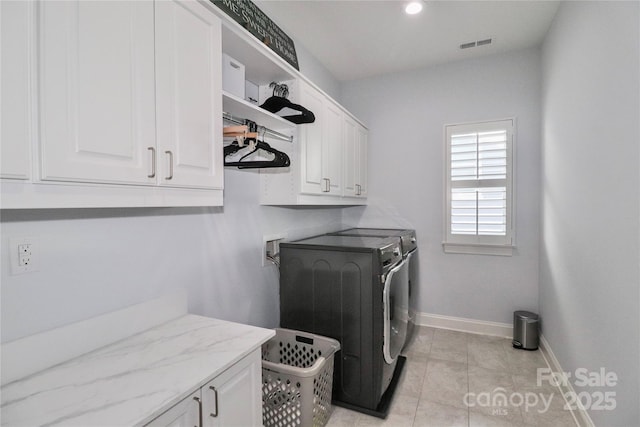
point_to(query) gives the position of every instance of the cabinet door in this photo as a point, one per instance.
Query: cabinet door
(185, 413)
(189, 104)
(332, 147)
(351, 157)
(311, 138)
(16, 50)
(362, 186)
(97, 102)
(234, 398)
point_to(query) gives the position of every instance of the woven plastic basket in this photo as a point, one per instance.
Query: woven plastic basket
(297, 377)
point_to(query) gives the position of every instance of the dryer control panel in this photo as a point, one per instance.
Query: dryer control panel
(390, 256)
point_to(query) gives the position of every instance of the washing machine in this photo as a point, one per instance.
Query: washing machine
(351, 288)
(409, 248)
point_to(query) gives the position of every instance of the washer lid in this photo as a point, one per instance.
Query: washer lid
(347, 242)
(409, 241)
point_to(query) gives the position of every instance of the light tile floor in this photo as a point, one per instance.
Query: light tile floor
(445, 366)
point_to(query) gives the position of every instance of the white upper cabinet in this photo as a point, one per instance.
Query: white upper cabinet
(320, 144)
(129, 99)
(311, 142)
(189, 101)
(350, 157)
(119, 103)
(328, 159)
(362, 184)
(124, 92)
(16, 50)
(332, 147)
(97, 91)
(355, 158)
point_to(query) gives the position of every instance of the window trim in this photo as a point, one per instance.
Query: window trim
(472, 244)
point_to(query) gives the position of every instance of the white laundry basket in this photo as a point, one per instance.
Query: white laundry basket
(297, 377)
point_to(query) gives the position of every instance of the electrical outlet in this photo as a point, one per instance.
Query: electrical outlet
(24, 254)
(271, 248)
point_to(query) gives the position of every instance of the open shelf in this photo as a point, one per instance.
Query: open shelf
(240, 108)
(262, 65)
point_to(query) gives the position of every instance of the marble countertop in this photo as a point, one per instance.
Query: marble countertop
(131, 381)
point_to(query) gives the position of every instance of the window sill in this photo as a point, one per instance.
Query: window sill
(477, 249)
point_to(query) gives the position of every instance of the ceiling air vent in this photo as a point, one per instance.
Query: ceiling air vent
(476, 43)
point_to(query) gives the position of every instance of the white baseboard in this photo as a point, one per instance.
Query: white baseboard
(580, 415)
(472, 326)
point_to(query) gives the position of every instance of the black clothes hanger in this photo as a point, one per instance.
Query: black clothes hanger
(280, 160)
(277, 103)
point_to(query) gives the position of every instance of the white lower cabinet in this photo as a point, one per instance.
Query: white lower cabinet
(233, 398)
(186, 413)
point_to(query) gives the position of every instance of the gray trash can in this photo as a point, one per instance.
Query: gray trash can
(525, 330)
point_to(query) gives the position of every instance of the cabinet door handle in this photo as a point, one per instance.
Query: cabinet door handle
(215, 401)
(327, 187)
(358, 189)
(170, 165)
(153, 162)
(197, 399)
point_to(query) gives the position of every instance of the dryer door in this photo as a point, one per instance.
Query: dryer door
(396, 310)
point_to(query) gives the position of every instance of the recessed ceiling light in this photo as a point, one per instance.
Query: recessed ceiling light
(413, 7)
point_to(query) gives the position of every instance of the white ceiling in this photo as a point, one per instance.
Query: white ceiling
(362, 38)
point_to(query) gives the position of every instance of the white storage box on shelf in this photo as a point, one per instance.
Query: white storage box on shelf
(233, 80)
(251, 92)
(297, 379)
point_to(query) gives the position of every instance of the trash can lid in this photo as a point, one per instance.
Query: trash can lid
(525, 315)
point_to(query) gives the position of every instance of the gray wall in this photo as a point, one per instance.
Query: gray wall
(589, 254)
(406, 114)
(318, 74)
(94, 261)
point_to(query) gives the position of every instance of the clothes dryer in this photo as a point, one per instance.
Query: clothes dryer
(409, 248)
(352, 289)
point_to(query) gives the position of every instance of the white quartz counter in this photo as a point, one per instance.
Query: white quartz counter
(131, 381)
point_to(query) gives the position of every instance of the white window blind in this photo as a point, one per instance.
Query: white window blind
(479, 185)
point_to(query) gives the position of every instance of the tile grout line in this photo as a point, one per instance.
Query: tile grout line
(424, 377)
(468, 385)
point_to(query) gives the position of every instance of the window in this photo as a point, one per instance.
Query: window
(479, 188)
